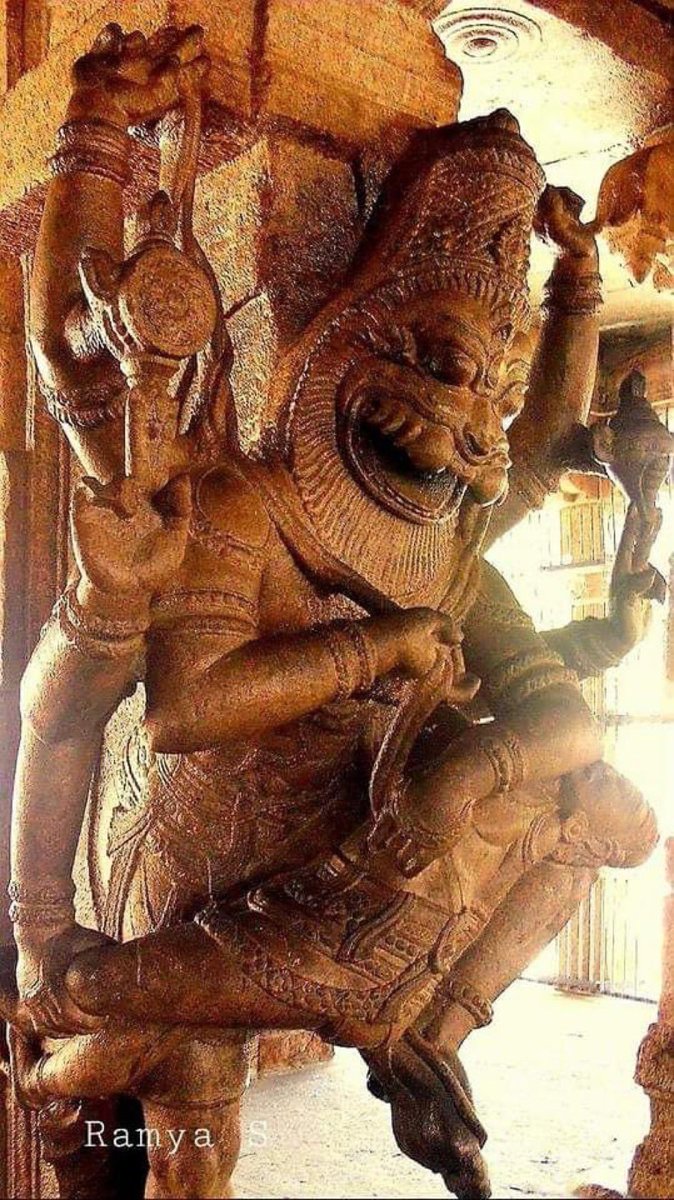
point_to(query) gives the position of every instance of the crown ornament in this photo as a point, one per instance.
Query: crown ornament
(456, 215)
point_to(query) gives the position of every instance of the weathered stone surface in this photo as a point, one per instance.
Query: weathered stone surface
(279, 1052)
(297, 621)
(274, 61)
(282, 218)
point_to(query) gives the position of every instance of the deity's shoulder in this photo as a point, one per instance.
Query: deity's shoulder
(228, 511)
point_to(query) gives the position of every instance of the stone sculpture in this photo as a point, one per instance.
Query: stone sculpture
(341, 832)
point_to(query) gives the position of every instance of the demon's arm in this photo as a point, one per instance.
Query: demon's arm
(541, 729)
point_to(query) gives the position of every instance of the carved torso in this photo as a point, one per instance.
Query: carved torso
(214, 819)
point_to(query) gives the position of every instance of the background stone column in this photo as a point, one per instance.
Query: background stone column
(652, 1171)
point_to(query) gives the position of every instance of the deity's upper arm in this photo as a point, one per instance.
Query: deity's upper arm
(504, 649)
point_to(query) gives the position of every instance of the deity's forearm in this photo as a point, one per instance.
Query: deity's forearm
(595, 644)
(565, 363)
(265, 684)
(83, 213)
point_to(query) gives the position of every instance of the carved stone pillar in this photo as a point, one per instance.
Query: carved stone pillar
(652, 1172)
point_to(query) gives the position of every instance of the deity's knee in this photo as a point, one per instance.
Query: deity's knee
(192, 1103)
(606, 820)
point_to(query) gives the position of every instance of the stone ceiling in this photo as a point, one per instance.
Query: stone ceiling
(587, 80)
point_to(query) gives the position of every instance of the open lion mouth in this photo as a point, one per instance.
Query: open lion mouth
(386, 445)
(427, 447)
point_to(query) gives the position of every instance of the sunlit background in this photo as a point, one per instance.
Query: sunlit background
(558, 562)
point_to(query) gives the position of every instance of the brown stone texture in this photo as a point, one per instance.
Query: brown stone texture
(258, 70)
(652, 1171)
(259, 640)
(290, 1052)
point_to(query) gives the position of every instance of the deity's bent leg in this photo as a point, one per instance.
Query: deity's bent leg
(191, 1105)
(178, 976)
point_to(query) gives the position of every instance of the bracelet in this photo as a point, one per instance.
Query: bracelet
(93, 636)
(94, 147)
(366, 657)
(108, 628)
(352, 657)
(48, 905)
(526, 674)
(85, 410)
(506, 759)
(41, 914)
(574, 294)
(466, 995)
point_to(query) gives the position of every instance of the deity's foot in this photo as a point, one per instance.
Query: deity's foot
(432, 1113)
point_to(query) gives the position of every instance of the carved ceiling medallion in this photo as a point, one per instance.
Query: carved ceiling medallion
(484, 36)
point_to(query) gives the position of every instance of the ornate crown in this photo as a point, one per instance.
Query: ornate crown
(456, 214)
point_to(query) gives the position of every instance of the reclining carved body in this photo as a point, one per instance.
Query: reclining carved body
(337, 835)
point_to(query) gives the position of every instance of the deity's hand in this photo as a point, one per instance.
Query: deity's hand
(422, 822)
(558, 223)
(410, 641)
(44, 955)
(634, 586)
(129, 79)
(127, 544)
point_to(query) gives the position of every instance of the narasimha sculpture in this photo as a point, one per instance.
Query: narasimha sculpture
(375, 790)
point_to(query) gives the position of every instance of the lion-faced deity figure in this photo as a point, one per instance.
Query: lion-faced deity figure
(400, 412)
(336, 834)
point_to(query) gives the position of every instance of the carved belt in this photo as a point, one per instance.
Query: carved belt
(361, 957)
